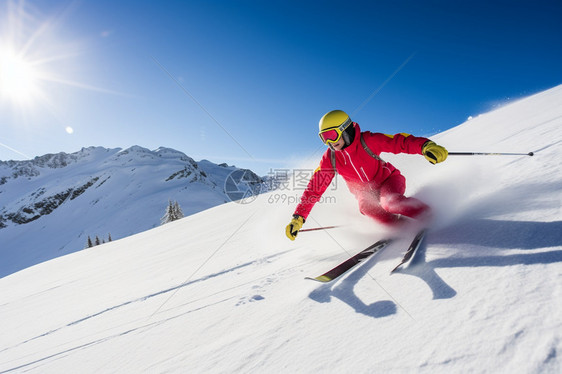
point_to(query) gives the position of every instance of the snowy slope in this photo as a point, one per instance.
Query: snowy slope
(223, 291)
(50, 205)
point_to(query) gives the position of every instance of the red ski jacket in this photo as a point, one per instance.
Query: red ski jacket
(356, 166)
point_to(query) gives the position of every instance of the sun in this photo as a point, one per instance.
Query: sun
(18, 77)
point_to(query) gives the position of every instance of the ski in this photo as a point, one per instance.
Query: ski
(416, 243)
(347, 265)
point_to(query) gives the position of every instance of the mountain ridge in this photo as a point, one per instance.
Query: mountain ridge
(102, 183)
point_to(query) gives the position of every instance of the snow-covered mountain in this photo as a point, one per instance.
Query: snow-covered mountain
(50, 205)
(223, 291)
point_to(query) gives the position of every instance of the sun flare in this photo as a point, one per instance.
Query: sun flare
(18, 77)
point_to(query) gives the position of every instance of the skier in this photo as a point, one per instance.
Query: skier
(377, 185)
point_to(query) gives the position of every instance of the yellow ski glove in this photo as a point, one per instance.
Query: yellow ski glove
(434, 153)
(293, 228)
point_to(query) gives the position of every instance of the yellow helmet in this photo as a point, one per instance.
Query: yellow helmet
(332, 125)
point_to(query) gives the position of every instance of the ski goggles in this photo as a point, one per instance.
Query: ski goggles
(334, 134)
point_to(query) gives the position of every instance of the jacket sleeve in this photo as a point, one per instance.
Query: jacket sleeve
(399, 143)
(316, 187)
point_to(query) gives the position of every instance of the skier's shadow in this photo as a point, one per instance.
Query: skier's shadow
(492, 236)
(487, 239)
(344, 292)
(426, 271)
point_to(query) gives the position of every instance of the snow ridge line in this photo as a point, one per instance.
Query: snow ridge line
(144, 298)
(102, 340)
(205, 262)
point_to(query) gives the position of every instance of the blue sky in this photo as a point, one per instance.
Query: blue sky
(245, 82)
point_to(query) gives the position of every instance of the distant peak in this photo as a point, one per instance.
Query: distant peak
(135, 149)
(169, 152)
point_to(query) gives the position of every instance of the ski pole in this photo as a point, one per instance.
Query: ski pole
(318, 228)
(488, 154)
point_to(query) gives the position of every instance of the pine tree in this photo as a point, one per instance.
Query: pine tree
(173, 213)
(178, 214)
(89, 244)
(98, 242)
(168, 216)
(109, 238)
